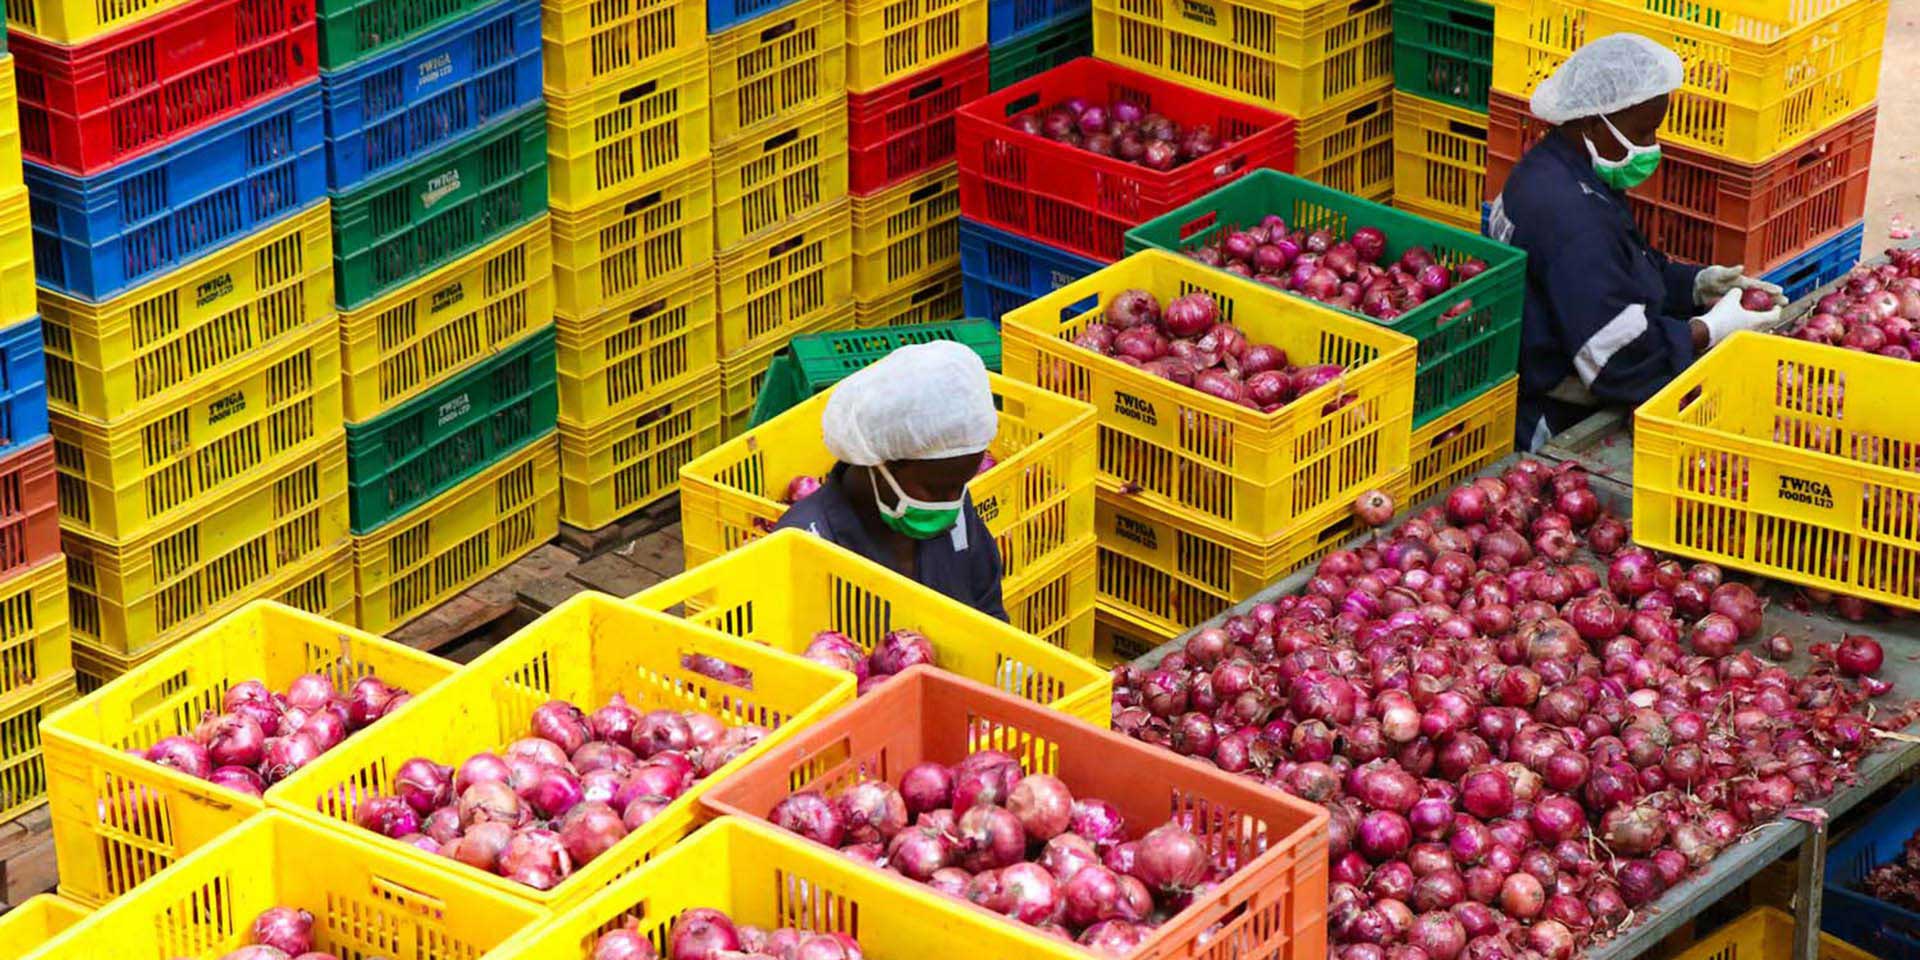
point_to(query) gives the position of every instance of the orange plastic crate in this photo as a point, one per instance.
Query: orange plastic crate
(1273, 906)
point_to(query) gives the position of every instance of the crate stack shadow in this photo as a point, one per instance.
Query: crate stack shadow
(36, 656)
(437, 153)
(176, 167)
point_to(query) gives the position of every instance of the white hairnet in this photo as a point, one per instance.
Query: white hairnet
(923, 402)
(1605, 76)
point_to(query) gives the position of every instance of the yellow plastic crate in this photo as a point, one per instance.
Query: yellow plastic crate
(322, 587)
(1764, 934)
(1119, 638)
(742, 375)
(253, 542)
(628, 245)
(787, 280)
(1760, 77)
(118, 483)
(36, 651)
(366, 901)
(68, 22)
(1055, 601)
(906, 233)
(586, 43)
(652, 345)
(23, 768)
(1037, 500)
(929, 301)
(28, 926)
(1294, 57)
(458, 538)
(783, 172)
(614, 137)
(890, 40)
(153, 345)
(630, 461)
(1439, 159)
(757, 874)
(1792, 460)
(1446, 215)
(402, 344)
(10, 169)
(1256, 476)
(117, 819)
(1454, 446)
(1349, 147)
(1172, 575)
(775, 66)
(587, 649)
(17, 300)
(781, 589)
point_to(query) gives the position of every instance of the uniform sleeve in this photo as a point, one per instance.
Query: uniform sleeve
(806, 515)
(1624, 350)
(1679, 277)
(988, 569)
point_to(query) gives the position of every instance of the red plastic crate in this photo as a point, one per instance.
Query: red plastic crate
(1083, 202)
(907, 127)
(1704, 209)
(84, 108)
(1272, 907)
(29, 508)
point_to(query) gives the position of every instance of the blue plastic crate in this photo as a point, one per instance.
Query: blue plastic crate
(724, 14)
(1879, 927)
(1821, 265)
(389, 109)
(96, 236)
(23, 385)
(1000, 271)
(1008, 19)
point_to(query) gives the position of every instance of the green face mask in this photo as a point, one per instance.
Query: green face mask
(1627, 173)
(919, 519)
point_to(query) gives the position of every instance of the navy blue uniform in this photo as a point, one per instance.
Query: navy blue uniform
(1607, 316)
(963, 564)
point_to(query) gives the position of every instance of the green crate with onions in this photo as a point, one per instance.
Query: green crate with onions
(1461, 355)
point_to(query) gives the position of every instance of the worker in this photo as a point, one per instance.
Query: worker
(909, 432)
(1608, 320)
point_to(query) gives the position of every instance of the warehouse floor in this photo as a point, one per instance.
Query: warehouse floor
(1895, 185)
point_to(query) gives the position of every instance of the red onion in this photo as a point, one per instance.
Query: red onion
(927, 786)
(589, 830)
(872, 811)
(811, 815)
(286, 929)
(1858, 655)
(701, 934)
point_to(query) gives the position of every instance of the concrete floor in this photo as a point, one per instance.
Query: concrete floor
(1895, 184)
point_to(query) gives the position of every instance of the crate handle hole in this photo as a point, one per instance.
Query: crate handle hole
(1363, 111)
(1461, 128)
(930, 190)
(1362, 6)
(1230, 169)
(1021, 104)
(643, 312)
(1471, 21)
(639, 90)
(779, 30)
(779, 140)
(638, 204)
(1199, 225)
(409, 897)
(926, 88)
(785, 247)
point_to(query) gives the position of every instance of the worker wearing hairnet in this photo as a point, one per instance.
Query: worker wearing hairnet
(1608, 319)
(910, 431)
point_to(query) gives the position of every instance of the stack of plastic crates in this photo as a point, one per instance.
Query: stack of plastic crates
(176, 163)
(1201, 502)
(1329, 64)
(1443, 63)
(437, 165)
(782, 224)
(1030, 37)
(1768, 140)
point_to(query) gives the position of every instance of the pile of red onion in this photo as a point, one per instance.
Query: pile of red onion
(707, 934)
(1348, 273)
(261, 737)
(1517, 749)
(1019, 844)
(1123, 129)
(560, 797)
(895, 652)
(1874, 311)
(1186, 342)
(280, 933)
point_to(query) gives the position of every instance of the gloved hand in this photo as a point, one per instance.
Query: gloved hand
(1728, 316)
(1712, 283)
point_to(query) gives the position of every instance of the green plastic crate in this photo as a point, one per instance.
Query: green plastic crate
(351, 29)
(439, 208)
(1459, 358)
(421, 449)
(816, 361)
(1443, 50)
(1015, 60)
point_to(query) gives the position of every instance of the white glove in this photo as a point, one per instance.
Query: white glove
(1712, 283)
(1728, 317)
